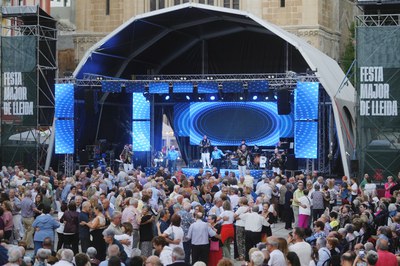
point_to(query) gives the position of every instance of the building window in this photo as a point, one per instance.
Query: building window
(211, 2)
(282, 3)
(235, 4)
(185, 1)
(202, 1)
(107, 7)
(227, 3)
(153, 5)
(177, 2)
(161, 4)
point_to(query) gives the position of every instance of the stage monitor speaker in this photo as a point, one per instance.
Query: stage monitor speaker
(284, 107)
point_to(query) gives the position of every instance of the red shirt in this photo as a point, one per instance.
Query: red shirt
(385, 258)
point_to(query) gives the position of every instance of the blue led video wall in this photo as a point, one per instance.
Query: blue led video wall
(140, 123)
(183, 87)
(64, 137)
(227, 123)
(64, 100)
(305, 139)
(306, 98)
(64, 114)
(141, 135)
(159, 87)
(306, 117)
(140, 107)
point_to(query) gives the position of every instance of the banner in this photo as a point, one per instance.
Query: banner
(378, 121)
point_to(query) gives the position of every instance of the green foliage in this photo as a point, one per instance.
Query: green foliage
(349, 54)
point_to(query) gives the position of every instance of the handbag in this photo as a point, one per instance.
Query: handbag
(214, 245)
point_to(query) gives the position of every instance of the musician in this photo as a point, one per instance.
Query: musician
(172, 156)
(243, 143)
(242, 154)
(274, 162)
(126, 157)
(282, 162)
(205, 146)
(216, 158)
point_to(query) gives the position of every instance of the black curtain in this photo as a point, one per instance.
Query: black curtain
(183, 142)
(158, 125)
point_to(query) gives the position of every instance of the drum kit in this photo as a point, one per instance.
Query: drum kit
(254, 160)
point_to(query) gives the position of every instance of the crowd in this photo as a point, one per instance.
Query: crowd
(128, 218)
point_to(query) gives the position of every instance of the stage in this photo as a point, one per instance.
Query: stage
(193, 171)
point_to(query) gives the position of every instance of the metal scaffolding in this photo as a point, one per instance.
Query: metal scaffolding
(32, 21)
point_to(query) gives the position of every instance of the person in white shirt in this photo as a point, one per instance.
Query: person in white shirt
(304, 210)
(276, 257)
(248, 179)
(240, 233)
(227, 228)
(162, 249)
(174, 234)
(253, 223)
(299, 246)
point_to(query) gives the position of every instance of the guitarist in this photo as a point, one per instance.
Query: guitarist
(126, 157)
(205, 146)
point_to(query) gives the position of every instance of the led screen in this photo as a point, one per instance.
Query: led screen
(64, 100)
(183, 87)
(64, 137)
(141, 135)
(227, 123)
(140, 106)
(306, 101)
(306, 139)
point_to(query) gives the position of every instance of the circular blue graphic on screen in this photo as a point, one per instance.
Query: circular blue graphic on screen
(230, 122)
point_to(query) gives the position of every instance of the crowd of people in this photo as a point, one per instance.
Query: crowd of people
(129, 218)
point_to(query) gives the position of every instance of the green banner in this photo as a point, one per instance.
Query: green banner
(378, 85)
(18, 96)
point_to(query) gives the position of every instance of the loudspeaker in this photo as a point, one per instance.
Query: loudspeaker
(284, 107)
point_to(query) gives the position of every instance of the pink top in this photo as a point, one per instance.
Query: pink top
(8, 221)
(388, 186)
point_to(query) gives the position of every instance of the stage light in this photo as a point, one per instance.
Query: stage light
(188, 97)
(241, 98)
(212, 98)
(275, 97)
(167, 97)
(255, 97)
(266, 98)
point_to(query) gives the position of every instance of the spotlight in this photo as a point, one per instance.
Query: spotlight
(188, 97)
(275, 97)
(212, 98)
(167, 97)
(255, 97)
(241, 98)
(199, 98)
(266, 97)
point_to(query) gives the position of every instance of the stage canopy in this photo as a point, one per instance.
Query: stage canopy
(202, 39)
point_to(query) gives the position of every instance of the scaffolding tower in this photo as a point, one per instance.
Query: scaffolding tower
(25, 138)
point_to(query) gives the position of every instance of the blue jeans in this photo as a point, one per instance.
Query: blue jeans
(172, 166)
(187, 247)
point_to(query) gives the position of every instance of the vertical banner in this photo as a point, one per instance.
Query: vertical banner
(18, 95)
(378, 80)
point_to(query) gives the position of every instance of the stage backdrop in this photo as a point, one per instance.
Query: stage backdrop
(378, 76)
(227, 123)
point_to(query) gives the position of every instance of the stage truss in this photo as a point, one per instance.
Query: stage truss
(276, 81)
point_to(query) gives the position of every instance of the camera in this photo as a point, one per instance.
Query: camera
(361, 254)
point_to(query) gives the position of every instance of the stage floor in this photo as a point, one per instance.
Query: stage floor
(193, 171)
